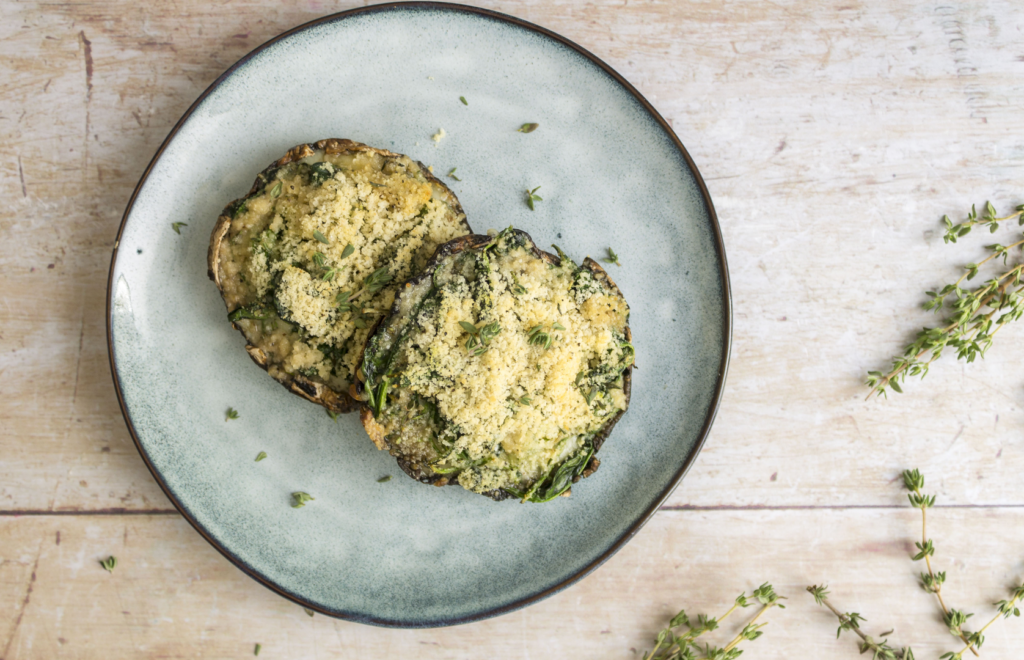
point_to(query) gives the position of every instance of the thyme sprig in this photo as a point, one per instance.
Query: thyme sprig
(880, 650)
(977, 314)
(176, 226)
(1006, 609)
(109, 564)
(673, 645)
(931, 581)
(989, 220)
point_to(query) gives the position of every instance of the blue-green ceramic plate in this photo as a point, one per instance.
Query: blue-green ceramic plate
(611, 173)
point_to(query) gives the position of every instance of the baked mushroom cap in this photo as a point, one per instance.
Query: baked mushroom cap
(311, 258)
(501, 368)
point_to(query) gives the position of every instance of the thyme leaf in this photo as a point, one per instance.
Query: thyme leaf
(532, 196)
(275, 192)
(260, 456)
(320, 237)
(301, 499)
(451, 173)
(528, 128)
(464, 101)
(612, 258)
(230, 414)
(347, 252)
(480, 338)
(377, 280)
(383, 480)
(176, 226)
(110, 563)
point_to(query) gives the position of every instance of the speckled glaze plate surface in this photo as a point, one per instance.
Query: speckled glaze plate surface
(612, 174)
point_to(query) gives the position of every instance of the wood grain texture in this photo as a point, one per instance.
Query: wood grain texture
(832, 138)
(173, 596)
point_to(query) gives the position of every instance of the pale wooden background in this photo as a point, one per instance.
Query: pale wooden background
(832, 137)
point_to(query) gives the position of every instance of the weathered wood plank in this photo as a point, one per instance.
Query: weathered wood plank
(172, 596)
(832, 139)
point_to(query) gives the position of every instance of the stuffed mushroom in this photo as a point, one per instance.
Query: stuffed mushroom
(500, 367)
(312, 257)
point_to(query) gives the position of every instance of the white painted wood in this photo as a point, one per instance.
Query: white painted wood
(173, 596)
(832, 138)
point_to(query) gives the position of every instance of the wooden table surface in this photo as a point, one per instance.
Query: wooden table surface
(832, 136)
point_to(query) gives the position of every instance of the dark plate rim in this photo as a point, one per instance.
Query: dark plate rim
(619, 542)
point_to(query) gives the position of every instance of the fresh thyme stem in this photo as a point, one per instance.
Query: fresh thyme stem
(851, 621)
(988, 259)
(914, 481)
(750, 626)
(842, 617)
(670, 645)
(968, 331)
(955, 231)
(1005, 609)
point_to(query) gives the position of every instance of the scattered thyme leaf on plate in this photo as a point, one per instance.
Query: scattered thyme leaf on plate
(383, 480)
(464, 101)
(451, 173)
(230, 414)
(176, 226)
(256, 651)
(333, 415)
(308, 611)
(612, 258)
(528, 128)
(260, 456)
(301, 499)
(110, 563)
(532, 196)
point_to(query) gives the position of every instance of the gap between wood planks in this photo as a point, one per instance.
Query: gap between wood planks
(15, 513)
